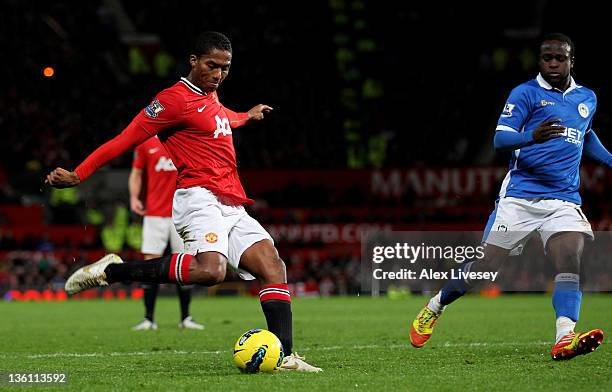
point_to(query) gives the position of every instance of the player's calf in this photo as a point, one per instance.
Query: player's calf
(262, 260)
(206, 268)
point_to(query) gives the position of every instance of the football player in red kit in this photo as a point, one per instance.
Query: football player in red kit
(208, 213)
(153, 177)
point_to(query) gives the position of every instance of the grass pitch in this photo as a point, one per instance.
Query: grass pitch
(361, 343)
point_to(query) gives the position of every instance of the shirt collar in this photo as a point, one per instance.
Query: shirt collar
(544, 84)
(192, 86)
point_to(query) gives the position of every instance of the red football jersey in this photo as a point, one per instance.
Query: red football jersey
(195, 129)
(159, 176)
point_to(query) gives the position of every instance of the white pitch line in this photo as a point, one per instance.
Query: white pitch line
(493, 344)
(123, 354)
(217, 352)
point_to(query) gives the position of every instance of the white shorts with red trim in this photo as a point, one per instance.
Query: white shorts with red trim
(207, 225)
(157, 233)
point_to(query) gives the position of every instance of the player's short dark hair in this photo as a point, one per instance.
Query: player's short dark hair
(561, 38)
(210, 40)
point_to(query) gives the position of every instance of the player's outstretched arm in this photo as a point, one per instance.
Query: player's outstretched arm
(255, 114)
(131, 136)
(165, 111)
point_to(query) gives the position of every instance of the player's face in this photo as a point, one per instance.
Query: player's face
(209, 70)
(555, 63)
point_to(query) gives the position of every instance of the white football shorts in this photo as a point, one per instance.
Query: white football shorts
(206, 225)
(515, 219)
(157, 232)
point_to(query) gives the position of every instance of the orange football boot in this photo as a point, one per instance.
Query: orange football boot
(574, 344)
(422, 327)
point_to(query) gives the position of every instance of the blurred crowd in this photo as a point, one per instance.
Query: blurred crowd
(353, 85)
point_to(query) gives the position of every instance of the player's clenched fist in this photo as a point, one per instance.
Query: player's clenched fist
(62, 178)
(257, 112)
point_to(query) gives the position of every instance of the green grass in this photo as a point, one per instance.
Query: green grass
(479, 344)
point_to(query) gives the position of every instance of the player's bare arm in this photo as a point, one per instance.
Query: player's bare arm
(257, 112)
(135, 187)
(62, 178)
(548, 130)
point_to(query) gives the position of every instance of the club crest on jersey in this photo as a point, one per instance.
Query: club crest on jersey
(583, 110)
(508, 110)
(223, 127)
(154, 109)
(211, 238)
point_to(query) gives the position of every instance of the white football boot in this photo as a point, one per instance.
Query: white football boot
(91, 275)
(190, 323)
(295, 362)
(145, 325)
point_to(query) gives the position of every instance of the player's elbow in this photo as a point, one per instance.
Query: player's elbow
(507, 140)
(498, 144)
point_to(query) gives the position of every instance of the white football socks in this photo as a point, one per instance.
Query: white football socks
(434, 304)
(565, 325)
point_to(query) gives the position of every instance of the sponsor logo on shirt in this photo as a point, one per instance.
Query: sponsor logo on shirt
(154, 109)
(573, 136)
(164, 164)
(508, 110)
(223, 127)
(546, 103)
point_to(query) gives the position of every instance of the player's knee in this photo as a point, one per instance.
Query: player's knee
(494, 257)
(213, 274)
(208, 269)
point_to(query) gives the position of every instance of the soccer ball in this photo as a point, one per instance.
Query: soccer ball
(258, 350)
